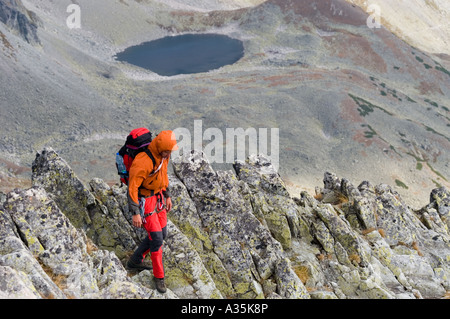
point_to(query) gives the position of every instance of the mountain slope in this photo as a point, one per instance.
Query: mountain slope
(357, 101)
(423, 24)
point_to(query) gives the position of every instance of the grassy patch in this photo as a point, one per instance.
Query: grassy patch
(429, 129)
(399, 183)
(365, 107)
(302, 272)
(436, 183)
(410, 99)
(419, 165)
(436, 172)
(385, 90)
(394, 150)
(441, 68)
(432, 103)
(370, 133)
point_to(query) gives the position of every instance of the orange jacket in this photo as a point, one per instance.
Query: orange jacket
(139, 179)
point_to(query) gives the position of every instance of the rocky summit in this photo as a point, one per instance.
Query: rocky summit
(232, 234)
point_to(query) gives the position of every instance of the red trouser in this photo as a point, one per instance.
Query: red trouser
(155, 225)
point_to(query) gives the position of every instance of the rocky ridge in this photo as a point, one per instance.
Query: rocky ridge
(232, 234)
(22, 21)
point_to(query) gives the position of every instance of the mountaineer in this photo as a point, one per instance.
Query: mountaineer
(148, 189)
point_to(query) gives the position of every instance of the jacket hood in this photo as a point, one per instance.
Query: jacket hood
(164, 141)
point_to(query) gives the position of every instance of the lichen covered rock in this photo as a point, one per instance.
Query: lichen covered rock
(231, 234)
(50, 257)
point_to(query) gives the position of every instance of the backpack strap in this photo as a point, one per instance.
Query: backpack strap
(147, 151)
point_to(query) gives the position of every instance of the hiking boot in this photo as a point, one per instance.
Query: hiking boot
(160, 285)
(141, 266)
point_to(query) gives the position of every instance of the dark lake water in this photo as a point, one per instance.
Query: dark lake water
(184, 54)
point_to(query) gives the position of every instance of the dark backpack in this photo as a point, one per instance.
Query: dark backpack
(136, 142)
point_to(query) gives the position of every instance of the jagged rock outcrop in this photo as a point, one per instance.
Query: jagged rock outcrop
(44, 256)
(20, 20)
(235, 234)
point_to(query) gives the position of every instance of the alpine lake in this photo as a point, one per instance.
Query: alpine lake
(184, 54)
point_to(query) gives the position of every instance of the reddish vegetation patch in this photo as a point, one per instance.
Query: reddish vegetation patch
(427, 88)
(349, 111)
(206, 91)
(357, 49)
(356, 77)
(7, 183)
(313, 76)
(394, 45)
(277, 80)
(245, 79)
(338, 11)
(362, 139)
(221, 80)
(306, 28)
(14, 168)
(293, 77)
